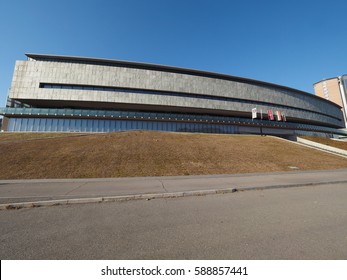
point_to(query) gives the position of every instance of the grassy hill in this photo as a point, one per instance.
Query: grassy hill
(147, 153)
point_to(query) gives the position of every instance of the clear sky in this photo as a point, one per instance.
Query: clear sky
(293, 43)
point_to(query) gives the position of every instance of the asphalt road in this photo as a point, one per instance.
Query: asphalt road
(290, 223)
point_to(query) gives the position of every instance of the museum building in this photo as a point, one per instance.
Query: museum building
(51, 93)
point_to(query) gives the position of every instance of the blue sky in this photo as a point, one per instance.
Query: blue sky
(292, 43)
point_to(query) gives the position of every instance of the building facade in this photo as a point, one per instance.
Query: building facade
(60, 93)
(335, 90)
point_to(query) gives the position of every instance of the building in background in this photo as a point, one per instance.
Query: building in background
(335, 90)
(78, 94)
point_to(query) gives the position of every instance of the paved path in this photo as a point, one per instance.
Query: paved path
(12, 191)
(322, 147)
(290, 223)
(38, 190)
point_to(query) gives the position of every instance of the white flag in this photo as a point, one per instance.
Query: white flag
(254, 113)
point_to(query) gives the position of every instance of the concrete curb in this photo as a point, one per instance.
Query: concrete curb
(20, 205)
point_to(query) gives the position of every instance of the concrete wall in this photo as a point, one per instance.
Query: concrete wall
(329, 89)
(29, 74)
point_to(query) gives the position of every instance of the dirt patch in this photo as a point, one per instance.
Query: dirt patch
(146, 153)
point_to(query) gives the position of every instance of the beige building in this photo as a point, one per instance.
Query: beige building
(335, 90)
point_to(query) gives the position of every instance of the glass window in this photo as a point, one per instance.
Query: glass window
(24, 125)
(98, 125)
(111, 125)
(130, 125)
(120, 125)
(11, 124)
(40, 123)
(107, 126)
(60, 125)
(145, 125)
(89, 125)
(95, 126)
(66, 125)
(17, 124)
(149, 125)
(78, 125)
(83, 125)
(54, 124)
(116, 126)
(139, 125)
(161, 126)
(169, 126)
(35, 126)
(51, 125)
(30, 124)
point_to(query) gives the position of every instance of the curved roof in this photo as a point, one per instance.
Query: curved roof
(165, 68)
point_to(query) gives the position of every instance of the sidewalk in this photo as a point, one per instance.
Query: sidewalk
(95, 190)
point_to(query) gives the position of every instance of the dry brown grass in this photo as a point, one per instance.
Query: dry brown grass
(145, 153)
(326, 141)
(21, 136)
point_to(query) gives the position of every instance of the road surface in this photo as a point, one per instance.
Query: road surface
(287, 223)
